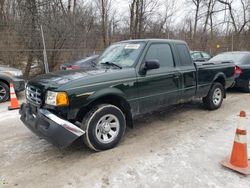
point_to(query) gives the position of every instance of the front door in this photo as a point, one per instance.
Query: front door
(162, 86)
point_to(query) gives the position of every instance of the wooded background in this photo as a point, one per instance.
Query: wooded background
(74, 29)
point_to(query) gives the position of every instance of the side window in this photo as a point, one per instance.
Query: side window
(205, 55)
(245, 60)
(162, 52)
(196, 55)
(184, 54)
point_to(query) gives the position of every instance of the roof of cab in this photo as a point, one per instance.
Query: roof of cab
(155, 40)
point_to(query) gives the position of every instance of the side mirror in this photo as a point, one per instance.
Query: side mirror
(149, 65)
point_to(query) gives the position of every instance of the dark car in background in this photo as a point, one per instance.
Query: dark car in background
(242, 67)
(88, 62)
(200, 56)
(10, 75)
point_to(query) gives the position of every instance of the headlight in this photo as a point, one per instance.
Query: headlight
(14, 73)
(57, 98)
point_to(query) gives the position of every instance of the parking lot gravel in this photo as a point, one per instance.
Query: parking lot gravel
(180, 146)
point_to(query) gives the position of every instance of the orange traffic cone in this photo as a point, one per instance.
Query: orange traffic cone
(239, 158)
(13, 99)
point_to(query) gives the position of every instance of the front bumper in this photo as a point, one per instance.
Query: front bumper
(47, 125)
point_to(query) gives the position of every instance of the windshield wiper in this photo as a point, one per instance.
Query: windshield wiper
(112, 64)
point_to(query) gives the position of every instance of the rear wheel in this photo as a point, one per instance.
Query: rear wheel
(104, 126)
(4, 92)
(215, 96)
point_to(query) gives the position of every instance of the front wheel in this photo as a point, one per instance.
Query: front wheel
(104, 126)
(215, 97)
(4, 92)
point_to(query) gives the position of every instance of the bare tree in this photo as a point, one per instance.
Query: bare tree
(30, 19)
(169, 12)
(2, 15)
(104, 7)
(197, 4)
(140, 12)
(240, 26)
(210, 4)
(76, 28)
(132, 17)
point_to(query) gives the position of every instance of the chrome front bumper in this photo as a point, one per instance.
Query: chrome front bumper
(47, 125)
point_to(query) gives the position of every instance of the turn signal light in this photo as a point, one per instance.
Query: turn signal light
(62, 99)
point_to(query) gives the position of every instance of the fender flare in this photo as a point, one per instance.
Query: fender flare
(116, 93)
(105, 92)
(5, 78)
(218, 75)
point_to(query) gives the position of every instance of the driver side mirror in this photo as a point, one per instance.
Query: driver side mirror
(149, 65)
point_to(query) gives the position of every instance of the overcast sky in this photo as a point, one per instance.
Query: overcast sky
(183, 9)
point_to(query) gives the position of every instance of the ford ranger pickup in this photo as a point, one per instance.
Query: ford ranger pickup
(130, 78)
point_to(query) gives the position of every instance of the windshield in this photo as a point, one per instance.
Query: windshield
(236, 57)
(121, 54)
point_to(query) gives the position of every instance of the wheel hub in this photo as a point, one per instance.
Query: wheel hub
(217, 96)
(2, 92)
(105, 127)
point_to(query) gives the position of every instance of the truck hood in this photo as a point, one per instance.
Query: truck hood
(63, 77)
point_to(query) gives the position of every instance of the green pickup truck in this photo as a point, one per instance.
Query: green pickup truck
(130, 78)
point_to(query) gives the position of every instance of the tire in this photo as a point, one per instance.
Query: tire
(247, 87)
(99, 133)
(4, 92)
(215, 97)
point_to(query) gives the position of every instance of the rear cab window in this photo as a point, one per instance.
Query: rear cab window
(196, 55)
(184, 55)
(246, 60)
(205, 55)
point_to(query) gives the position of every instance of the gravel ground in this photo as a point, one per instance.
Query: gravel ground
(4, 106)
(176, 147)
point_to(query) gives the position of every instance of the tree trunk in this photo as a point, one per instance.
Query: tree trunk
(31, 14)
(141, 18)
(137, 10)
(2, 15)
(132, 15)
(196, 18)
(104, 22)
(204, 32)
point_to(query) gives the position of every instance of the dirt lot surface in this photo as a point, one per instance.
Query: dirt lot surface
(177, 147)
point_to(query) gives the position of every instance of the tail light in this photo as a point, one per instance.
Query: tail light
(75, 67)
(72, 67)
(237, 71)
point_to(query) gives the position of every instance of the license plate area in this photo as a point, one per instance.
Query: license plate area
(33, 110)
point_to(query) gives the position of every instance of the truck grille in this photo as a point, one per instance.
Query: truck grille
(33, 94)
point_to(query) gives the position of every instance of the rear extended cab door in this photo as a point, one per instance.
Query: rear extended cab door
(187, 70)
(162, 86)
